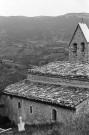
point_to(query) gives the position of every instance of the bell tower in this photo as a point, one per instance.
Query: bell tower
(79, 45)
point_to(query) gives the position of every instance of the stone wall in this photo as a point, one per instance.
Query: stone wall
(41, 113)
(83, 107)
(79, 56)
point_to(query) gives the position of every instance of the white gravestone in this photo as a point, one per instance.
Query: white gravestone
(21, 125)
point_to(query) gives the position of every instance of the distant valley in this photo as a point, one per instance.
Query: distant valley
(38, 40)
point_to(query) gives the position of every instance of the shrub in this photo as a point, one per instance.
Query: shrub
(77, 126)
(6, 123)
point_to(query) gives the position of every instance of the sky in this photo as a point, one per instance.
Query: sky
(42, 7)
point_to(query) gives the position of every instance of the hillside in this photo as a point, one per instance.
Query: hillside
(38, 40)
(10, 73)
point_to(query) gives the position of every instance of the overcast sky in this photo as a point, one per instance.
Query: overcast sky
(42, 7)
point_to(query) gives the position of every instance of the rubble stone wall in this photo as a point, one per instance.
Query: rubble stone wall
(41, 113)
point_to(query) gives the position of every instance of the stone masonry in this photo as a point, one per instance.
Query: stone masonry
(79, 47)
(41, 113)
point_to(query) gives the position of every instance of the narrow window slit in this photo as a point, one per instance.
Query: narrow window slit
(82, 47)
(19, 104)
(75, 47)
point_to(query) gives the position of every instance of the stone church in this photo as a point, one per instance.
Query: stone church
(53, 92)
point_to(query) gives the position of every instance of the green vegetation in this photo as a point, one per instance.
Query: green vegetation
(11, 73)
(5, 123)
(77, 126)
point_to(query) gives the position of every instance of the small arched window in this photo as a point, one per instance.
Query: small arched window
(31, 110)
(75, 47)
(19, 104)
(54, 115)
(82, 47)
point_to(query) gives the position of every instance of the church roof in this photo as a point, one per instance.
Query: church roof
(63, 68)
(63, 96)
(85, 30)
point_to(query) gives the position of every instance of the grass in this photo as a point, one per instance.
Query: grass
(35, 129)
(77, 126)
(41, 129)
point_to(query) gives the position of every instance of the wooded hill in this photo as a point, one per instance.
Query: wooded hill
(38, 40)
